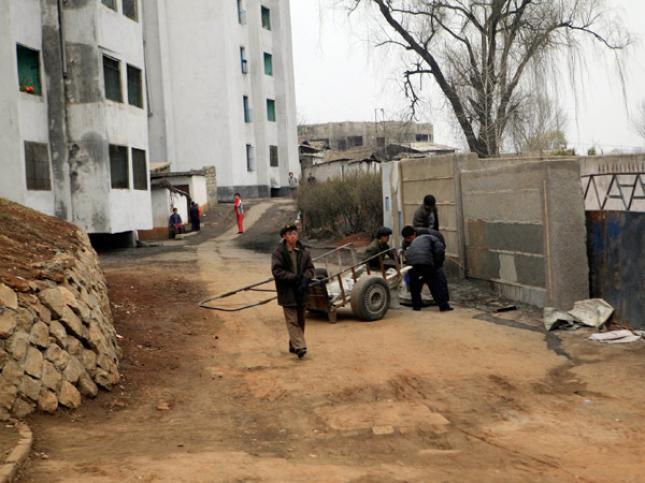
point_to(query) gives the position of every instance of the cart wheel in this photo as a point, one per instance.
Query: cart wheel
(370, 298)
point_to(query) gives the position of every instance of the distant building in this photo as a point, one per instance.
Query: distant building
(341, 136)
(221, 90)
(73, 129)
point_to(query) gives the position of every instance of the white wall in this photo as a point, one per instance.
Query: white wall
(196, 100)
(196, 185)
(163, 201)
(24, 116)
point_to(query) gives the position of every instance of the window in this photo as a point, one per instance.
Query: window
(266, 18)
(250, 158)
(110, 4)
(130, 9)
(273, 156)
(355, 141)
(119, 174)
(243, 61)
(241, 13)
(271, 110)
(139, 169)
(422, 138)
(135, 87)
(37, 166)
(28, 70)
(112, 79)
(268, 64)
(247, 109)
(342, 144)
(380, 142)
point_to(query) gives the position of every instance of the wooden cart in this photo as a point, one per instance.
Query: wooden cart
(365, 289)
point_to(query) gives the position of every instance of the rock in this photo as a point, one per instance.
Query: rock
(107, 363)
(69, 396)
(88, 358)
(87, 386)
(51, 378)
(163, 406)
(22, 408)
(8, 323)
(382, 430)
(8, 393)
(4, 357)
(57, 356)
(43, 313)
(17, 345)
(30, 387)
(39, 335)
(12, 372)
(59, 333)
(25, 319)
(53, 299)
(97, 338)
(74, 346)
(48, 402)
(8, 297)
(34, 362)
(106, 379)
(72, 323)
(73, 370)
(89, 299)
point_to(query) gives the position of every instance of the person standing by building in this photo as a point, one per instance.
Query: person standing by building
(293, 184)
(195, 216)
(238, 208)
(426, 254)
(293, 269)
(426, 215)
(175, 224)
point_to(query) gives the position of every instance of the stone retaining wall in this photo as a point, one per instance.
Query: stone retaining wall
(57, 339)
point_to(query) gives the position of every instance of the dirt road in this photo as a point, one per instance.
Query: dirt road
(450, 397)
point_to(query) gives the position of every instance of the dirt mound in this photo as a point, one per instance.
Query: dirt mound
(28, 239)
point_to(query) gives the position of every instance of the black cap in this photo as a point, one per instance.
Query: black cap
(287, 228)
(408, 231)
(383, 231)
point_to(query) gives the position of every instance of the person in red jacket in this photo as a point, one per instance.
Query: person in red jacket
(238, 207)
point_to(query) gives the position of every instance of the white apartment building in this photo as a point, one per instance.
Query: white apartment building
(73, 123)
(222, 92)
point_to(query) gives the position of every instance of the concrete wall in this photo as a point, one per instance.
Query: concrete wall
(517, 223)
(197, 120)
(525, 231)
(196, 185)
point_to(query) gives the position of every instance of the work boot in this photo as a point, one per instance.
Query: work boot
(301, 353)
(291, 349)
(446, 308)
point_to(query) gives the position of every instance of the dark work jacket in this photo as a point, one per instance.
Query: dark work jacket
(425, 231)
(426, 219)
(287, 277)
(426, 250)
(375, 248)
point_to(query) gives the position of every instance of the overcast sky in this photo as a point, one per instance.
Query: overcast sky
(341, 76)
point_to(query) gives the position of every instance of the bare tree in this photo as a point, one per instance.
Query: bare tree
(537, 125)
(479, 51)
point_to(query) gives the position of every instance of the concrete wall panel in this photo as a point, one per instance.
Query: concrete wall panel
(511, 206)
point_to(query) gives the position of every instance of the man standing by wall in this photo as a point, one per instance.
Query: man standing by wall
(426, 215)
(292, 269)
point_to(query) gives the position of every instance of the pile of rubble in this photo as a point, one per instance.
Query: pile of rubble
(57, 339)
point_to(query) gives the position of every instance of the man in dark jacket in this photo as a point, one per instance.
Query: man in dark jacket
(194, 216)
(379, 245)
(426, 215)
(426, 254)
(292, 269)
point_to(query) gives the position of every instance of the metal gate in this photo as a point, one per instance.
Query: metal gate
(616, 241)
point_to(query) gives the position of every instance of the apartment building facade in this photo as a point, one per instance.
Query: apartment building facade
(74, 131)
(341, 136)
(222, 91)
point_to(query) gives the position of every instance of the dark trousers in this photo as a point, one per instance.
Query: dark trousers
(437, 283)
